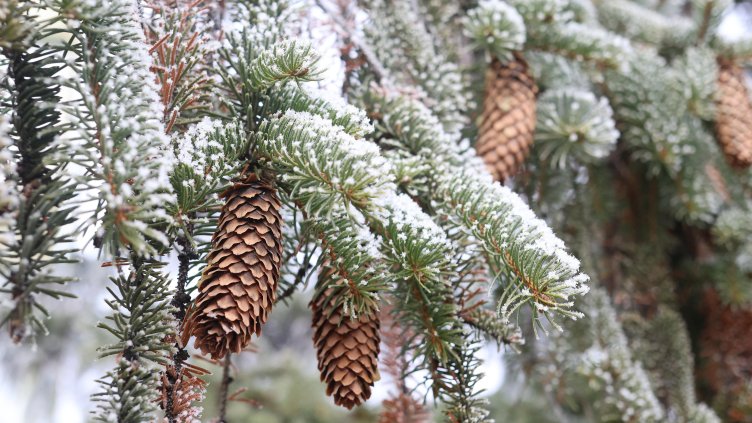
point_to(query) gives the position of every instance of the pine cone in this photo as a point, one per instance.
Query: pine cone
(734, 116)
(508, 121)
(238, 285)
(347, 351)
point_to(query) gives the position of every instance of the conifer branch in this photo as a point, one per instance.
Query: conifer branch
(538, 270)
(112, 58)
(401, 41)
(603, 367)
(35, 209)
(373, 62)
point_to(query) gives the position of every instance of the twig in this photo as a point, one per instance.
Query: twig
(223, 389)
(368, 54)
(705, 25)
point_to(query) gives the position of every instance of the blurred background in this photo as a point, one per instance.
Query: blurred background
(52, 380)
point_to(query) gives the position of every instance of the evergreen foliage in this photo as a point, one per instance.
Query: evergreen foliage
(127, 125)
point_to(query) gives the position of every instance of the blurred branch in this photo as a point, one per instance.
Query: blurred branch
(223, 389)
(365, 49)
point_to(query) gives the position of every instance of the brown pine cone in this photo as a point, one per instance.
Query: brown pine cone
(347, 350)
(734, 116)
(238, 285)
(506, 129)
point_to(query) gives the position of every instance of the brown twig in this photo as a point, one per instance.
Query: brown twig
(365, 50)
(223, 390)
(705, 25)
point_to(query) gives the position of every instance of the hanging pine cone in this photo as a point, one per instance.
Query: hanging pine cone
(508, 121)
(238, 285)
(347, 350)
(734, 116)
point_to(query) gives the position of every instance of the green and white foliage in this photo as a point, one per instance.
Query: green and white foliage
(129, 395)
(583, 11)
(281, 61)
(417, 252)
(538, 273)
(641, 23)
(117, 118)
(697, 75)
(381, 186)
(400, 40)
(646, 100)
(497, 28)
(206, 156)
(573, 123)
(696, 196)
(529, 259)
(662, 345)
(322, 164)
(733, 226)
(552, 27)
(35, 189)
(16, 29)
(595, 371)
(553, 71)
(8, 185)
(707, 16)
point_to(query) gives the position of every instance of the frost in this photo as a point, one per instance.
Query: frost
(497, 26)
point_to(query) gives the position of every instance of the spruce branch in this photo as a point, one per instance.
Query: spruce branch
(497, 27)
(707, 16)
(351, 119)
(662, 345)
(118, 113)
(598, 372)
(641, 23)
(373, 62)
(177, 31)
(140, 322)
(322, 164)
(353, 254)
(532, 261)
(401, 406)
(574, 124)
(487, 322)
(416, 251)
(401, 41)
(581, 42)
(36, 208)
(642, 100)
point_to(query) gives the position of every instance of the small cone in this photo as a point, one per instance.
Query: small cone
(238, 285)
(506, 129)
(347, 350)
(734, 116)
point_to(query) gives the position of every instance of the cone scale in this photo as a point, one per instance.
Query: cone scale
(238, 285)
(505, 134)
